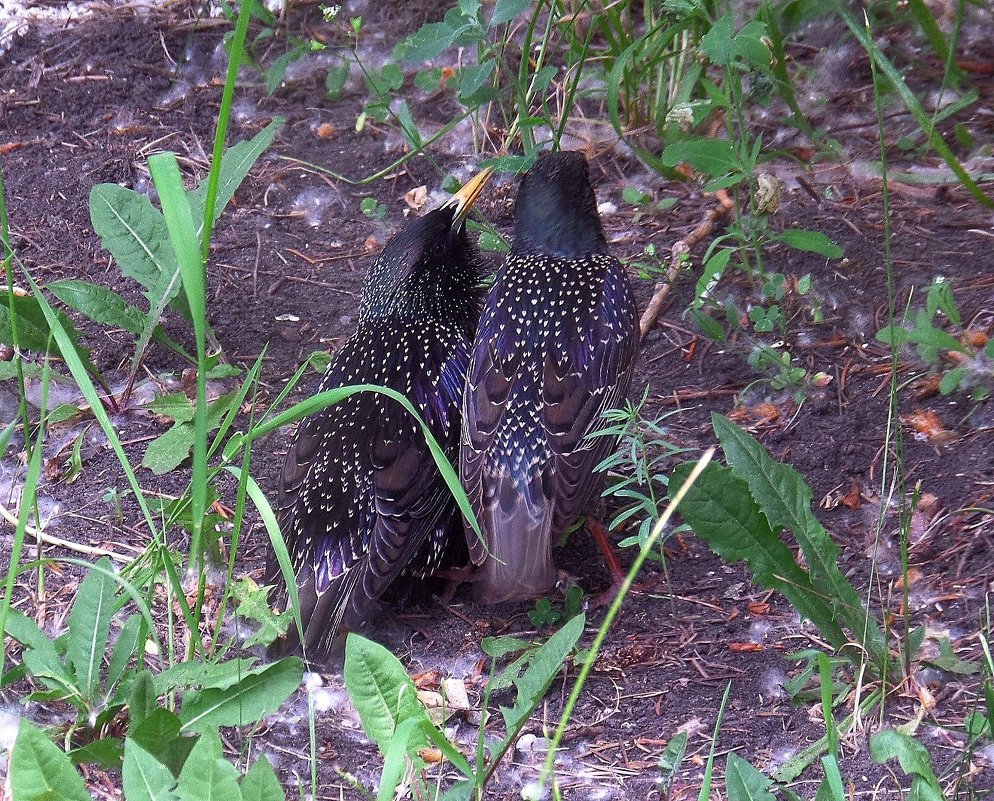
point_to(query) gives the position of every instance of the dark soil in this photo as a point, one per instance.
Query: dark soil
(90, 103)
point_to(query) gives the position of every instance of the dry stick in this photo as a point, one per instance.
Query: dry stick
(51, 539)
(678, 254)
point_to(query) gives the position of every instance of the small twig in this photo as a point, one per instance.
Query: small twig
(51, 539)
(678, 254)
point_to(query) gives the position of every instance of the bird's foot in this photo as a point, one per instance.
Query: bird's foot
(453, 577)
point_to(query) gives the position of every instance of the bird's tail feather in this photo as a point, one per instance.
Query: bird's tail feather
(518, 525)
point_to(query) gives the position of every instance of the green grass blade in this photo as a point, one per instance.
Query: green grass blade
(935, 141)
(85, 383)
(183, 235)
(324, 399)
(236, 49)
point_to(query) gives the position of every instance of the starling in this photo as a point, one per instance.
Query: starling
(361, 500)
(555, 347)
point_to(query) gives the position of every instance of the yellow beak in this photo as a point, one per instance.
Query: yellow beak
(464, 199)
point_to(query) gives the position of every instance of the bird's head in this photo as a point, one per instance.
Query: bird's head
(556, 210)
(429, 255)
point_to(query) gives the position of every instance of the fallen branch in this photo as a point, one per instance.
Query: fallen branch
(678, 255)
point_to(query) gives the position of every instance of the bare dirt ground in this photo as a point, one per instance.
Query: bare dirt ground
(87, 104)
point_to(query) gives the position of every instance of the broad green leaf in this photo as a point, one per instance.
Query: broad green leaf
(207, 775)
(159, 734)
(543, 665)
(235, 165)
(811, 242)
(41, 771)
(407, 125)
(167, 452)
(913, 758)
(382, 692)
(506, 10)
(931, 337)
(156, 731)
(105, 752)
(207, 675)
(176, 406)
(722, 512)
(26, 631)
(716, 44)
(473, 79)
(714, 157)
(89, 626)
(105, 306)
(785, 500)
(145, 778)
(130, 639)
(744, 783)
(713, 269)
(134, 232)
(426, 43)
(261, 784)
(141, 699)
(749, 44)
(33, 330)
(672, 756)
(100, 304)
(260, 693)
(950, 382)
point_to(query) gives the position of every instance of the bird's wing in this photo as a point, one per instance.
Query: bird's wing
(492, 374)
(360, 493)
(585, 373)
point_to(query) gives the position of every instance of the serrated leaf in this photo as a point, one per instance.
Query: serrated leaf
(100, 304)
(105, 306)
(89, 626)
(168, 451)
(144, 777)
(41, 771)
(253, 604)
(811, 242)
(785, 500)
(258, 694)
(207, 775)
(543, 665)
(134, 232)
(721, 511)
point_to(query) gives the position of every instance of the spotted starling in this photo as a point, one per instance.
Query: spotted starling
(555, 347)
(360, 496)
